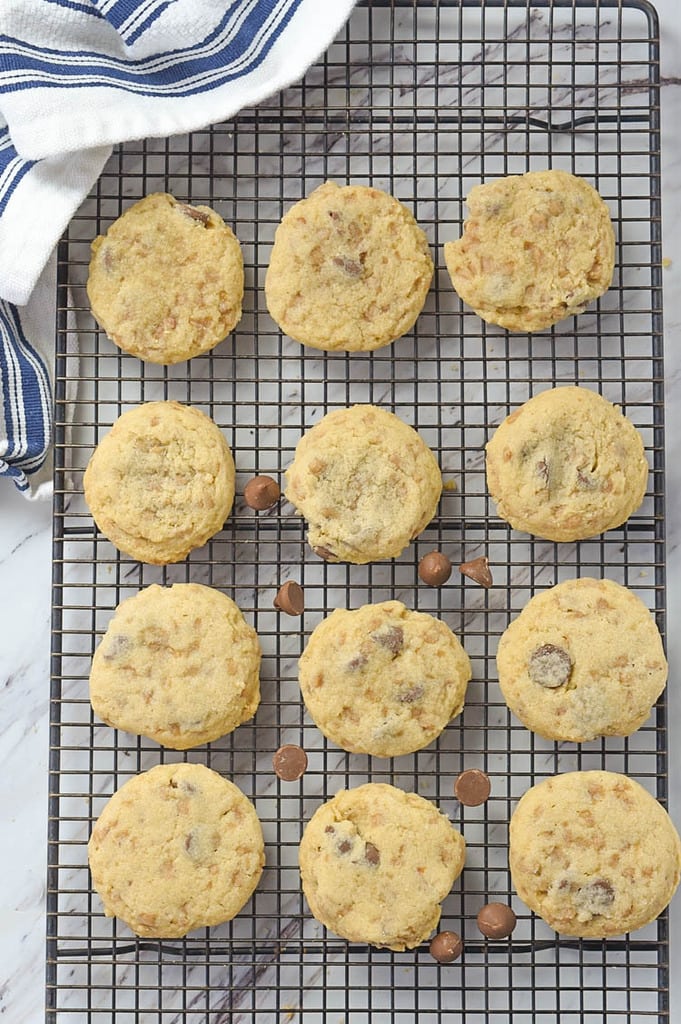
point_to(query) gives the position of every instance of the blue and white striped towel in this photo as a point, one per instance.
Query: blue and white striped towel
(77, 76)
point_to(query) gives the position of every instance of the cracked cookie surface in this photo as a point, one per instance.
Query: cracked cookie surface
(583, 659)
(383, 680)
(178, 664)
(166, 281)
(176, 848)
(536, 248)
(366, 483)
(566, 465)
(593, 853)
(350, 269)
(376, 863)
(161, 482)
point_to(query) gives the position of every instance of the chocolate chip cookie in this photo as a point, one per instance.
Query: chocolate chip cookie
(166, 281)
(383, 680)
(161, 482)
(376, 863)
(366, 483)
(593, 854)
(178, 664)
(176, 848)
(350, 269)
(536, 248)
(583, 659)
(566, 465)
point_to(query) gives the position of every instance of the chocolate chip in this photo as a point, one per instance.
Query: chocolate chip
(344, 846)
(372, 854)
(325, 553)
(262, 492)
(412, 695)
(330, 829)
(446, 947)
(496, 920)
(191, 211)
(353, 268)
(542, 471)
(595, 896)
(478, 571)
(358, 662)
(192, 845)
(435, 568)
(549, 666)
(585, 481)
(290, 599)
(290, 762)
(392, 638)
(472, 787)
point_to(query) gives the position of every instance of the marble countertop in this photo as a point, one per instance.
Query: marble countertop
(25, 551)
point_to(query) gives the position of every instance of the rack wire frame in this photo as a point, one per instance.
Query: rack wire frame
(424, 100)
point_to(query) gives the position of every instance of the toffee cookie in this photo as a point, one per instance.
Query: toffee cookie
(383, 680)
(376, 863)
(593, 853)
(176, 848)
(366, 483)
(566, 465)
(167, 280)
(350, 269)
(161, 482)
(536, 248)
(583, 659)
(178, 664)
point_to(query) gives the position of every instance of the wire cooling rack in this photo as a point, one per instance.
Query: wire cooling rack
(423, 100)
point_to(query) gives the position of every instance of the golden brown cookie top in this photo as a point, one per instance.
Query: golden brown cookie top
(536, 248)
(176, 848)
(382, 679)
(376, 863)
(366, 482)
(350, 269)
(593, 853)
(161, 482)
(583, 659)
(566, 465)
(178, 664)
(166, 281)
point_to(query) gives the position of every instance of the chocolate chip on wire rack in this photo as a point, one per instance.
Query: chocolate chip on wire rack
(496, 920)
(290, 762)
(472, 787)
(435, 568)
(290, 598)
(262, 492)
(445, 947)
(478, 571)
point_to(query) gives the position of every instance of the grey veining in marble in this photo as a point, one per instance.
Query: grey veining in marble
(25, 556)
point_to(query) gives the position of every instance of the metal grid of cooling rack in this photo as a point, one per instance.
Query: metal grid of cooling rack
(423, 100)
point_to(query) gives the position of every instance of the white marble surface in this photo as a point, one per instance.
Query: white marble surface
(25, 548)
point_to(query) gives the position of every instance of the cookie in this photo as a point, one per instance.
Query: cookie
(178, 664)
(583, 659)
(383, 680)
(350, 269)
(176, 848)
(366, 483)
(536, 248)
(566, 465)
(161, 482)
(593, 853)
(376, 863)
(167, 280)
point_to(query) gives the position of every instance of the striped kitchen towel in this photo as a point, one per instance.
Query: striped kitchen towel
(77, 76)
